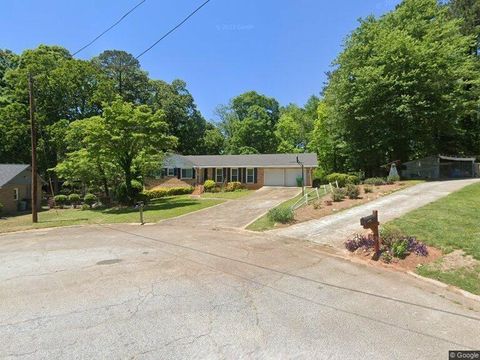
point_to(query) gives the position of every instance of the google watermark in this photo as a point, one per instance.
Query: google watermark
(464, 354)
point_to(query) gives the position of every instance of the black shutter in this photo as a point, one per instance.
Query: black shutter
(228, 174)
(224, 174)
(244, 175)
(255, 175)
(178, 172)
(205, 175)
(164, 173)
(193, 173)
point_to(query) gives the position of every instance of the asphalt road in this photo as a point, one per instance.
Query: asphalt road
(173, 292)
(334, 229)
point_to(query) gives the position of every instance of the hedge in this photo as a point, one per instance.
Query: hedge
(163, 192)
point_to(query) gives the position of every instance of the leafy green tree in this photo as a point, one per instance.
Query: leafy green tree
(469, 12)
(213, 140)
(184, 120)
(295, 126)
(401, 87)
(130, 81)
(126, 136)
(249, 122)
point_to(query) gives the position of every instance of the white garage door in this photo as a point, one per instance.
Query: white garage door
(274, 177)
(291, 176)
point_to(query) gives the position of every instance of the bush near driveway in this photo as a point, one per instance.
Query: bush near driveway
(163, 192)
(209, 185)
(282, 215)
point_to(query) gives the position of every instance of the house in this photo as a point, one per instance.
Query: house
(253, 171)
(16, 188)
(440, 167)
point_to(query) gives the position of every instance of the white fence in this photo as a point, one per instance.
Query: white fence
(314, 194)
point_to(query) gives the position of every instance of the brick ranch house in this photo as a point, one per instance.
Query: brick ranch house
(16, 189)
(253, 171)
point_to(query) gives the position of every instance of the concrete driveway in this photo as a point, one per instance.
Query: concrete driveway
(167, 292)
(334, 229)
(237, 213)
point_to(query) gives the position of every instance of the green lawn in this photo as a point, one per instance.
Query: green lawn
(450, 223)
(227, 195)
(264, 223)
(157, 210)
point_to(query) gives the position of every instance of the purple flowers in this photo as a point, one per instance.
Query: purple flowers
(367, 242)
(359, 241)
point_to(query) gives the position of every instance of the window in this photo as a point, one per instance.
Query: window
(234, 175)
(250, 176)
(170, 172)
(15, 194)
(219, 175)
(187, 173)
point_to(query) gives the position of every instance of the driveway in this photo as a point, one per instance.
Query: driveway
(334, 229)
(237, 213)
(167, 292)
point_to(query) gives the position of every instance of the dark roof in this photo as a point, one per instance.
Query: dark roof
(9, 171)
(255, 160)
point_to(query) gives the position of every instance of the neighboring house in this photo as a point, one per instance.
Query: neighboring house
(253, 171)
(439, 167)
(16, 188)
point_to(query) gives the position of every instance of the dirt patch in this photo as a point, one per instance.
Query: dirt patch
(326, 207)
(456, 260)
(409, 263)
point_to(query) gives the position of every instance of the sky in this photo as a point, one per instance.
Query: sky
(280, 48)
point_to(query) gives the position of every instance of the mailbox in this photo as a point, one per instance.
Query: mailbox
(371, 222)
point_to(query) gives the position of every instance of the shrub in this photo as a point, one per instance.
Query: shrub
(342, 179)
(337, 177)
(317, 204)
(233, 186)
(399, 248)
(393, 179)
(353, 191)
(319, 177)
(60, 200)
(123, 197)
(359, 241)
(377, 181)
(163, 192)
(353, 179)
(282, 215)
(367, 189)
(338, 194)
(209, 185)
(299, 180)
(74, 199)
(84, 207)
(1, 208)
(90, 199)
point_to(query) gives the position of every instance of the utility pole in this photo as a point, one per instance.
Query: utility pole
(33, 134)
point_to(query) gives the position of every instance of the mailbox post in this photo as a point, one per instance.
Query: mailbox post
(140, 206)
(371, 222)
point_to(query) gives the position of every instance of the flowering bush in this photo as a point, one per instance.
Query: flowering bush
(359, 241)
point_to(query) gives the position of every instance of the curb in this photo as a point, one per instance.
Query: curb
(452, 288)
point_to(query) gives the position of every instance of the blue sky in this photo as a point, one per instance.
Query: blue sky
(281, 48)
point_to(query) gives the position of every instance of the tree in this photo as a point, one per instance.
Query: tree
(213, 141)
(295, 126)
(125, 137)
(399, 88)
(131, 82)
(184, 120)
(469, 12)
(249, 122)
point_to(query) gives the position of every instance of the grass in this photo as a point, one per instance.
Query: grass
(227, 195)
(464, 278)
(265, 223)
(157, 210)
(448, 224)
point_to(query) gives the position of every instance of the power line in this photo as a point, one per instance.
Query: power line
(173, 29)
(110, 28)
